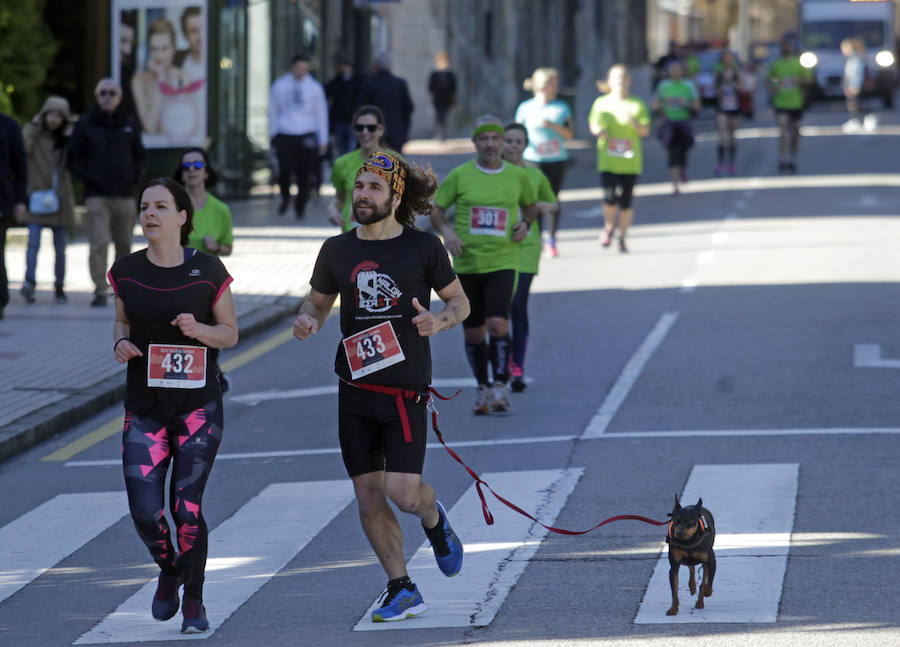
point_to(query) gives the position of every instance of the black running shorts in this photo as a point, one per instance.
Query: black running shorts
(371, 433)
(490, 295)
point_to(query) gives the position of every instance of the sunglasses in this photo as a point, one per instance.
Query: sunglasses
(361, 127)
(197, 165)
(107, 93)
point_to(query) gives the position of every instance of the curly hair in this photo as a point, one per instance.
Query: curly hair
(421, 183)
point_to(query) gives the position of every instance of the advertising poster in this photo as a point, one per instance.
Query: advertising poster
(159, 54)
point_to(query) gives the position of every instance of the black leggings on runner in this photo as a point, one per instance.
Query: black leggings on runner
(555, 172)
(190, 443)
(518, 315)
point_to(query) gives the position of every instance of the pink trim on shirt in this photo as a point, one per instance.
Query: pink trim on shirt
(112, 282)
(225, 284)
(185, 286)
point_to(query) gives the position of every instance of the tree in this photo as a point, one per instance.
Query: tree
(26, 52)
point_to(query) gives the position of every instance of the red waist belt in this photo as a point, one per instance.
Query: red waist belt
(400, 396)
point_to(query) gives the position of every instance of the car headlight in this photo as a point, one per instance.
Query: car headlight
(809, 60)
(884, 58)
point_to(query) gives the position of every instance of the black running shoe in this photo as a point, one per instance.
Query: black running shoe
(194, 612)
(165, 602)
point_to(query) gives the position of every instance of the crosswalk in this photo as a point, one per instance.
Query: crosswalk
(754, 508)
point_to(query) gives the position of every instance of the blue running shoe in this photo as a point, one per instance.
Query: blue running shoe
(400, 604)
(165, 601)
(194, 621)
(448, 549)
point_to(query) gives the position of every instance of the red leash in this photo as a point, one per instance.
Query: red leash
(479, 482)
(401, 395)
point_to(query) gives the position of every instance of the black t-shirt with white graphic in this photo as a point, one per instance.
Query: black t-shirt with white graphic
(153, 297)
(377, 280)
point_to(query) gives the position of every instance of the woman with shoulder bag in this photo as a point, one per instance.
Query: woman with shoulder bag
(50, 198)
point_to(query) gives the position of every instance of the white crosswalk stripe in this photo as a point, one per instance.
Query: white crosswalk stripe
(753, 507)
(51, 532)
(246, 551)
(495, 556)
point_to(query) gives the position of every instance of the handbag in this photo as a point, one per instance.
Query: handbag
(46, 201)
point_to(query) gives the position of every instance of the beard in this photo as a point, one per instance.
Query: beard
(378, 212)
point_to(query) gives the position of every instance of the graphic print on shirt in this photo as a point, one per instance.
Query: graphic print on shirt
(375, 292)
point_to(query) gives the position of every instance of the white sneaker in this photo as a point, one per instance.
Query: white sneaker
(482, 400)
(500, 400)
(851, 126)
(870, 123)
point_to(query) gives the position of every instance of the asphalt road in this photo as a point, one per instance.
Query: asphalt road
(720, 358)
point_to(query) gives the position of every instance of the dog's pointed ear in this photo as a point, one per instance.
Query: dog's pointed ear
(699, 503)
(677, 506)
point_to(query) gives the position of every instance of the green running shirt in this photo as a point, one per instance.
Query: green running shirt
(620, 151)
(487, 207)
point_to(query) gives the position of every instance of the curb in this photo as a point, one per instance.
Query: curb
(29, 430)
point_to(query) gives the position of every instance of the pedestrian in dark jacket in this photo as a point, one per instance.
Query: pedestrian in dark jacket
(343, 94)
(391, 94)
(106, 152)
(442, 87)
(13, 188)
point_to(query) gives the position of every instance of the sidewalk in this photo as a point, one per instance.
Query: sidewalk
(56, 360)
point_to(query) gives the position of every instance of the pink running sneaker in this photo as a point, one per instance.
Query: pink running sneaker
(732, 170)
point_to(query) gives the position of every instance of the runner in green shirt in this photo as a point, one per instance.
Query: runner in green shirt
(368, 124)
(787, 81)
(514, 143)
(618, 121)
(488, 195)
(677, 100)
(212, 231)
(212, 226)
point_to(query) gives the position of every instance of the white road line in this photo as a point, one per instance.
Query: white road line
(495, 557)
(244, 555)
(39, 539)
(753, 507)
(718, 237)
(252, 399)
(867, 180)
(706, 258)
(869, 356)
(614, 399)
(288, 453)
(623, 435)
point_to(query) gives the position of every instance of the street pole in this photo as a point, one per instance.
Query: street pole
(743, 44)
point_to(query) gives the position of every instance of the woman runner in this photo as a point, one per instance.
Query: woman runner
(677, 99)
(548, 122)
(514, 142)
(618, 121)
(729, 86)
(174, 310)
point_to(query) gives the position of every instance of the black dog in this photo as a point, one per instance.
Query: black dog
(692, 532)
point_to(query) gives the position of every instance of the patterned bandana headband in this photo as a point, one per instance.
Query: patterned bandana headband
(388, 167)
(488, 128)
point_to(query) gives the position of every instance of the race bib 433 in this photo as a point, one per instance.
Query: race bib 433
(372, 349)
(487, 221)
(176, 367)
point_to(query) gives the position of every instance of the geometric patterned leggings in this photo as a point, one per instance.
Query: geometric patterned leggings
(189, 443)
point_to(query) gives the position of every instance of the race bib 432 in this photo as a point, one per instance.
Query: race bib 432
(176, 367)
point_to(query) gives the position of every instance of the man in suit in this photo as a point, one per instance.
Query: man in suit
(391, 94)
(13, 189)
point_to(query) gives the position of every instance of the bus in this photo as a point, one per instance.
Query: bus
(824, 24)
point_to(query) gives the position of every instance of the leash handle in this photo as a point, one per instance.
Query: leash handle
(479, 483)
